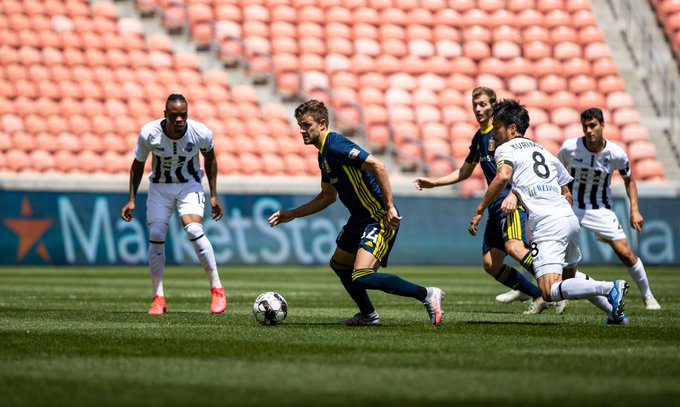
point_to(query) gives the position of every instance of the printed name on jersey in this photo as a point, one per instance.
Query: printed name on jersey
(541, 189)
(353, 154)
(526, 144)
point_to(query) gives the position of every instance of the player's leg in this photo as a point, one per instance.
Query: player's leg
(342, 264)
(606, 226)
(505, 235)
(636, 270)
(159, 207)
(375, 246)
(563, 247)
(191, 206)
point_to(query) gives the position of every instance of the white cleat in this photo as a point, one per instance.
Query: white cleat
(537, 306)
(561, 307)
(433, 305)
(512, 295)
(651, 303)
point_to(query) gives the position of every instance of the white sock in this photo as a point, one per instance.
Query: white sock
(205, 253)
(156, 267)
(598, 301)
(638, 274)
(577, 288)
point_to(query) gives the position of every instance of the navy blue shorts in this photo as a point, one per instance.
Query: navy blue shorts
(500, 229)
(371, 235)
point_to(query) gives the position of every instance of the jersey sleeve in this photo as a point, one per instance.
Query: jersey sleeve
(206, 141)
(504, 156)
(563, 176)
(349, 152)
(563, 155)
(620, 163)
(473, 155)
(142, 148)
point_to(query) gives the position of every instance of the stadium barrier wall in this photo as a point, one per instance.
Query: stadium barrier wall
(86, 229)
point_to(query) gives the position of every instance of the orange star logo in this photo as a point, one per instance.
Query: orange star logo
(29, 231)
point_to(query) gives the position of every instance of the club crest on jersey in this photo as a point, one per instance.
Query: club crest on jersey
(326, 166)
(353, 154)
(492, 144)
(606, 161)
(189, 147)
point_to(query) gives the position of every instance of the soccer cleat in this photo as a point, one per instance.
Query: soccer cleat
(615, 298)
(537, 306)
(360, 319)
(512, 295)
(157, 306)
(561, 307)
(623, 321)
(651, 303)
(433, 304)
(219, 300)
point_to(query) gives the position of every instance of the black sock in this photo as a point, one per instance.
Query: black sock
(356, 291)
(388, 283)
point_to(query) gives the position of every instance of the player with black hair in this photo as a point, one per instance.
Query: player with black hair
(175, 183)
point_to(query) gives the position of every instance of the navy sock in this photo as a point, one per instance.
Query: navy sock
(510, 277)
(528, 263)
(358, 293)
(388, 283)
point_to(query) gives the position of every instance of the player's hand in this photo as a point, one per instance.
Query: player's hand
(636, 221)
(392, 218)
(126, 213)
(216, 208)
(280, 217)
(509, 204)
(472, 229)
(422, 183)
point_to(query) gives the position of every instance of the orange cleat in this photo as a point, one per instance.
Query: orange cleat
(158, 306)
(219, 300)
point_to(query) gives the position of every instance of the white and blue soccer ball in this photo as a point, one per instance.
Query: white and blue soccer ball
(270, 308)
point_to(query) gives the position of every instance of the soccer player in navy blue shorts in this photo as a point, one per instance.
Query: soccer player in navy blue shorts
(365, 242)
(503, 234)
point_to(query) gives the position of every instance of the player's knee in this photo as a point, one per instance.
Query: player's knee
(516, 249)
(194, 231)
(157, 232)
(629, 259)
(491, 268)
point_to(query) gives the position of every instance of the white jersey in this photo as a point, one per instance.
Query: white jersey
(537, 178)
(174, 161)
(592, 171)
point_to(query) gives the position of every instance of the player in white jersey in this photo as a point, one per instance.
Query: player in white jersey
(592, 160)
(175, 182)
(540, 181)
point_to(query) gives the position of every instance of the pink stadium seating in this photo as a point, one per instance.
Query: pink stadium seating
(402, 68)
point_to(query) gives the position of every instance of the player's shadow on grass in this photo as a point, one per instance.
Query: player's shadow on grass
(510, 323)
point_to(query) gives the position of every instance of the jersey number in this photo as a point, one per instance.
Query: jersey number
(370, 235)
(534, 249)
(540, 168)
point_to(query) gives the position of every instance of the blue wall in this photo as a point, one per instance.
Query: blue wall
(85, 228)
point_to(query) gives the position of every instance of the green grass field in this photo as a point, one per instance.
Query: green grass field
(81, 336)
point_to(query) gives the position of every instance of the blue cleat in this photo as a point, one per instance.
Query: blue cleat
(623, 321)
(615, 298)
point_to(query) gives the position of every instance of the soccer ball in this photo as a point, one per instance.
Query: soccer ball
(270, 308)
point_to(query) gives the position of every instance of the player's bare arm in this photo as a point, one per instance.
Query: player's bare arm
(567, 194)
(136, 173)
(636, 219)
(509, 204)
(210, 163)
(323, 200)
(456, 176)
(503, 177)
(378, 169)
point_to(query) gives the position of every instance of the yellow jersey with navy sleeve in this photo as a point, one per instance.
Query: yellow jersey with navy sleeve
(340, 161)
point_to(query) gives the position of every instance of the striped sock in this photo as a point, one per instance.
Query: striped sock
(510, 277)
(358, 293)
(528, 263)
